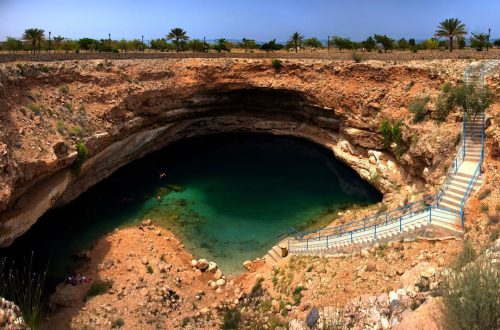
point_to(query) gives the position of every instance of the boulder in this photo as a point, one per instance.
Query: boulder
(218, 274)
(202, 264)
(212, 266)
(312, 318)
(363, 138)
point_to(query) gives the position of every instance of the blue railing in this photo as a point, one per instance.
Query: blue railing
(377, 225)
(428, 214)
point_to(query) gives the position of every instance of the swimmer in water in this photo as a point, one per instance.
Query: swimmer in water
(163, 175)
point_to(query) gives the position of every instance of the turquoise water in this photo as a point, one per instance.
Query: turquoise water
(226, 196)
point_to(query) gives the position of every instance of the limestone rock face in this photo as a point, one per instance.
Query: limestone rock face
(129, 108)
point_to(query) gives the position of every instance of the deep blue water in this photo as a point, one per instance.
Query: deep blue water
(226, 196)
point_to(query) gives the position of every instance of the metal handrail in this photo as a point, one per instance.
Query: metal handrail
(377, 221)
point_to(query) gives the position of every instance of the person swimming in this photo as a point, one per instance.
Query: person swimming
(163, 175)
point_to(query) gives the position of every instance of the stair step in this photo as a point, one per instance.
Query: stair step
(461, 176)
(454, 195)
(444, 204)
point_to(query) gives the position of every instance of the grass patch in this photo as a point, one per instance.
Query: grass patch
(471, 297)
(409, 86)
(25, 288)
(63, 89)
(44, 69)
(149, 269)
(98, 288)
(357, 57)
(231, 320)
(484, 208)
(467, 255)
(68, 106)
(35, 109)
(60, 127)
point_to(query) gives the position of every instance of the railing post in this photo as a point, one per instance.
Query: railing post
(430, 213)
(351, 236)
(364, 224)
(462, 217)
(375, 231)
(386, 216)
(437, 199)
(400, 223)
(307, 244)
(327, 241)
(411, 210)
(319, 234)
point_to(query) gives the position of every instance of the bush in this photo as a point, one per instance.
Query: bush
(98, 288)
(386, 131)
(60, 127)
(257, 289)
(484, 208)
(277, 64)
(81, 157)
(409, 86)
(149, 269)
(467, 255)
(471, 297)
(357, 57)
(494, 219)
(118, 323)
(231, 321)
(76, 131)
(63, 89)
(418, 108)
(35, 109)
(297, 294)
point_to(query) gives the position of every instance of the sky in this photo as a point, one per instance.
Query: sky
(262, 20)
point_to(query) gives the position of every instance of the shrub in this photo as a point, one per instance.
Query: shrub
(357, 57)
(76, 131)
(97, 288)
(297, 294)
(63, 89)
(231, 321)
(484, 193)
(277, 64)
(25, 288)
(60, 127)
(68, 106)
(409, 86)
(493, 219)
(45, 69)
(417, 107)
(471, 297)
(118, 323)
(467, 255)
(149, 269)
(484, 208)
(81, 157)
(257, 289)
(35, 109)
(386, 131)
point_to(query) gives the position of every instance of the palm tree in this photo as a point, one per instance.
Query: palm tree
(296, 39)
(34, 35)
(450, 28)
(179, 35)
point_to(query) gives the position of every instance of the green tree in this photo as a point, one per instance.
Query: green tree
(58, 42)
(87, 43)
(196, 45)
(271, 46)
(431, 44)
(313, 43)
(342, 43)
(12, 44)
(451, 28)
(478, 41)
(411, 42)
(123, 45)
(222, 45)
(461, 42)
(69, 45)
(296, 40)
(178, 36)
(248, 44)
(34, 36)
(369, 44)
(386, 42)
(402, 44)
(159, 44)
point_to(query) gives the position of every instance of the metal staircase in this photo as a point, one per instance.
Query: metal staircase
(444, 210)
